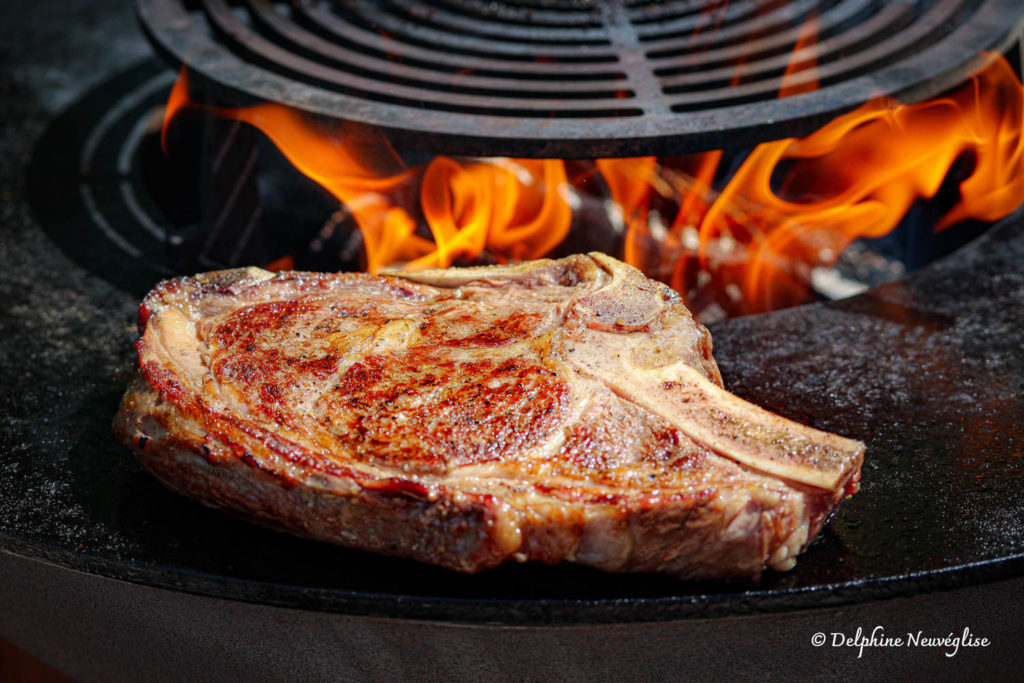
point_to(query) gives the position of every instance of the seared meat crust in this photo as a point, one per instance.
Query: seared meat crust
(551, 411)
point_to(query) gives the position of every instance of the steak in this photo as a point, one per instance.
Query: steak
(550, 411)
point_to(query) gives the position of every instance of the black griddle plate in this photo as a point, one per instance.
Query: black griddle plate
(927, 371)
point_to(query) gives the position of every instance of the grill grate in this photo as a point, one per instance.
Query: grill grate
(580, 78)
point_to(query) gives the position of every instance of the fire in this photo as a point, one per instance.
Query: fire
(792, 205)
(805, 56)
(856, 177)
(711, 16)
(176, 101)
(515, 209)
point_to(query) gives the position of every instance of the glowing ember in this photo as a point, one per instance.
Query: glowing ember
(792, 206)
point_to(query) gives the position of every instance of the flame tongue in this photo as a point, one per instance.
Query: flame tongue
(792, 204)
(513, 208)
(855, 177)
(804, 57)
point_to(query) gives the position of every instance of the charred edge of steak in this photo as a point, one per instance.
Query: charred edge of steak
(467, 532)
(386, 517)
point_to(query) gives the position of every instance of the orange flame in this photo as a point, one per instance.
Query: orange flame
(711, 16)
(361, 180)
(178, 100)
(512, 208)
(855, 177)
(804, 58)
(628, 181)
(756, 239)
(515, 209)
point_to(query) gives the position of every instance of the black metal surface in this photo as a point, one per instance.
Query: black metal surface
(579, 79)
(137, 632)
(929, 371)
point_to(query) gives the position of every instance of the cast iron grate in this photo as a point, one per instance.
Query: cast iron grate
(580, 78)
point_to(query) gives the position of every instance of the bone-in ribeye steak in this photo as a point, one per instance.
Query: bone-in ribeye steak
(550, 411)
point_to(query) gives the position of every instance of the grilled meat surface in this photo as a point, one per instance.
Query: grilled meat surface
(549, 411)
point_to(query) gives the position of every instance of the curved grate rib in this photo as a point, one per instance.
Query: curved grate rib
(579, 78)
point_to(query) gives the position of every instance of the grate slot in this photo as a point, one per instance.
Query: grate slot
(719, 16)
(396, 48)
(246, 42)
(426, 15)
(294, 38)
(433, 39)
(772, 64)
(847, 27)
(769, 23)
(916, 36)
(557, 17)
(578, 79)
